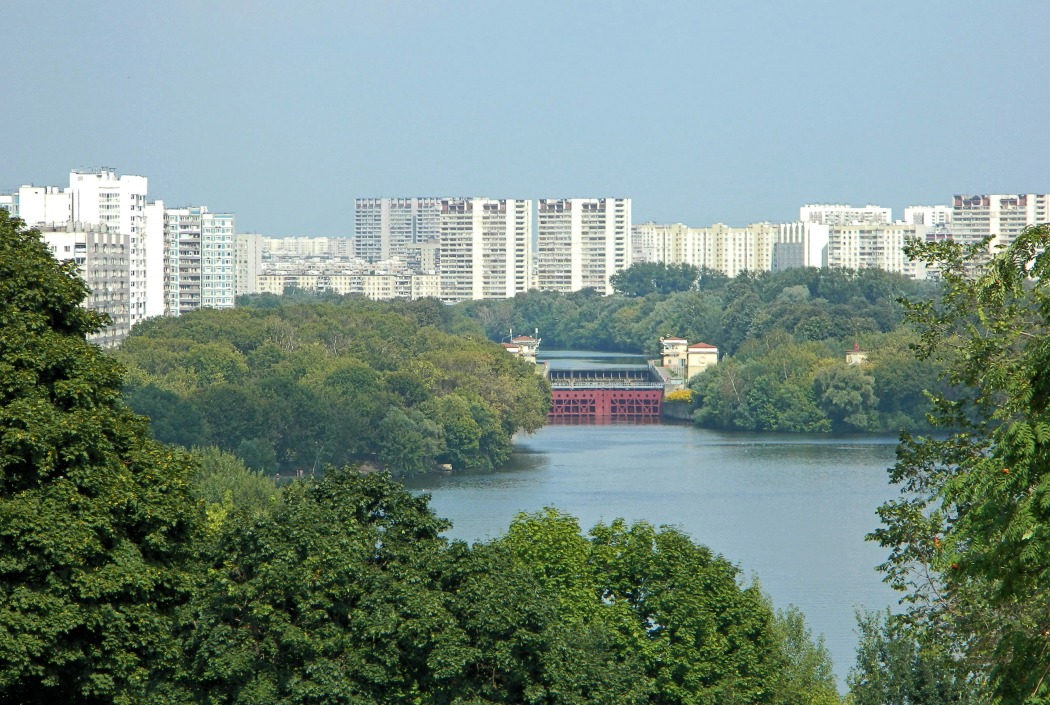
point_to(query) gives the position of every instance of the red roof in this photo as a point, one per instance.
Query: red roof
(702, 346)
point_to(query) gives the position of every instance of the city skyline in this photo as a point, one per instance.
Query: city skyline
(698, 112)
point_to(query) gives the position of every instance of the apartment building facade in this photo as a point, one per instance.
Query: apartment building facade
(999, 216)
(485, 248)
(385, 228)
(199, 268)
(873, 245)
(843, 214)
(247, 263)
(719, 247)
(102, 256)
(581, 243)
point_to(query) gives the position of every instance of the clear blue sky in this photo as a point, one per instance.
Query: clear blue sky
(702, 112)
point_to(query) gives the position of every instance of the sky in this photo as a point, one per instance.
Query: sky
(732, 111)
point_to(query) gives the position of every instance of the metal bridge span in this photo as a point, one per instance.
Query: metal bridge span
(606, 393)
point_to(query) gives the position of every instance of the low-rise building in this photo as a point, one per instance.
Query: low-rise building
(683, 361)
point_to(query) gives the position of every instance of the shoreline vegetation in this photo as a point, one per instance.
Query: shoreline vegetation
(289, 384)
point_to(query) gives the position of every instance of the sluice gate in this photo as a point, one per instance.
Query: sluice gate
(607, 393)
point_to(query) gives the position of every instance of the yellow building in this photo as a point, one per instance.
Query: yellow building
(699, 357)
(683, 361)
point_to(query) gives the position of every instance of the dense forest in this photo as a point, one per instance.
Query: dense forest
(289, 386)
(783, 337)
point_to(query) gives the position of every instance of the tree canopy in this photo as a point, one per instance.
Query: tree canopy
(289, 386)
(97, 521)
(969, 537)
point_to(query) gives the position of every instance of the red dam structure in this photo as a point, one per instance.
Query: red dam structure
(604, 394)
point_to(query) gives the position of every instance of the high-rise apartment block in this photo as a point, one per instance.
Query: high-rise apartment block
(800, 244)
(928, 215)
(306, 247)
(102, 197)
(385, 228)
(101, 256)
(485, 248)
(199, 259)
(719, 247)
(41, 205)
(581, 243)
(999, 216)
(872, 245)
(840, 214)
(247, 263)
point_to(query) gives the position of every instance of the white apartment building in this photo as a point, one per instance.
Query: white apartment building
(841, 214)
(581, 243)
(379, 287)
(999, 216)
(101, 256)
(719, 247)
(199, 259)
(800, 244)
(872, 245)
(928, 215)
(385, 228)
(669, 244)
(486, 248)
(247, 263)
(154, 259)
(42, 205)
(102, 197)
(306, 247)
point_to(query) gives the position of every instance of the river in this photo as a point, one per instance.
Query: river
(791, 510)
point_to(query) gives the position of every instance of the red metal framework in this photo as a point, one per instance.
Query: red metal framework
(605, 403)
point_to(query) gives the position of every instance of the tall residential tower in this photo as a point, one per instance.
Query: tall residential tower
(581, 242)
(485, 248)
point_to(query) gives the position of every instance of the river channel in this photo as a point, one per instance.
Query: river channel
(791, 510)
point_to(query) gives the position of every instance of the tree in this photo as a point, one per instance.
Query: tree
(847, 395)
(894, 668)
(806, 674)
(643, 278)
(334, 596)
(969, 537)
(97, 521)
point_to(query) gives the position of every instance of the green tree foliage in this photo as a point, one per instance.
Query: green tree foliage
(331, 597)
(806, 675)
(846, 394)
(224, 483)
(894, 668)
(697, 636)
(97, 521)
(293, 386)
(644, 278)
(969, 536)
(785, 328)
